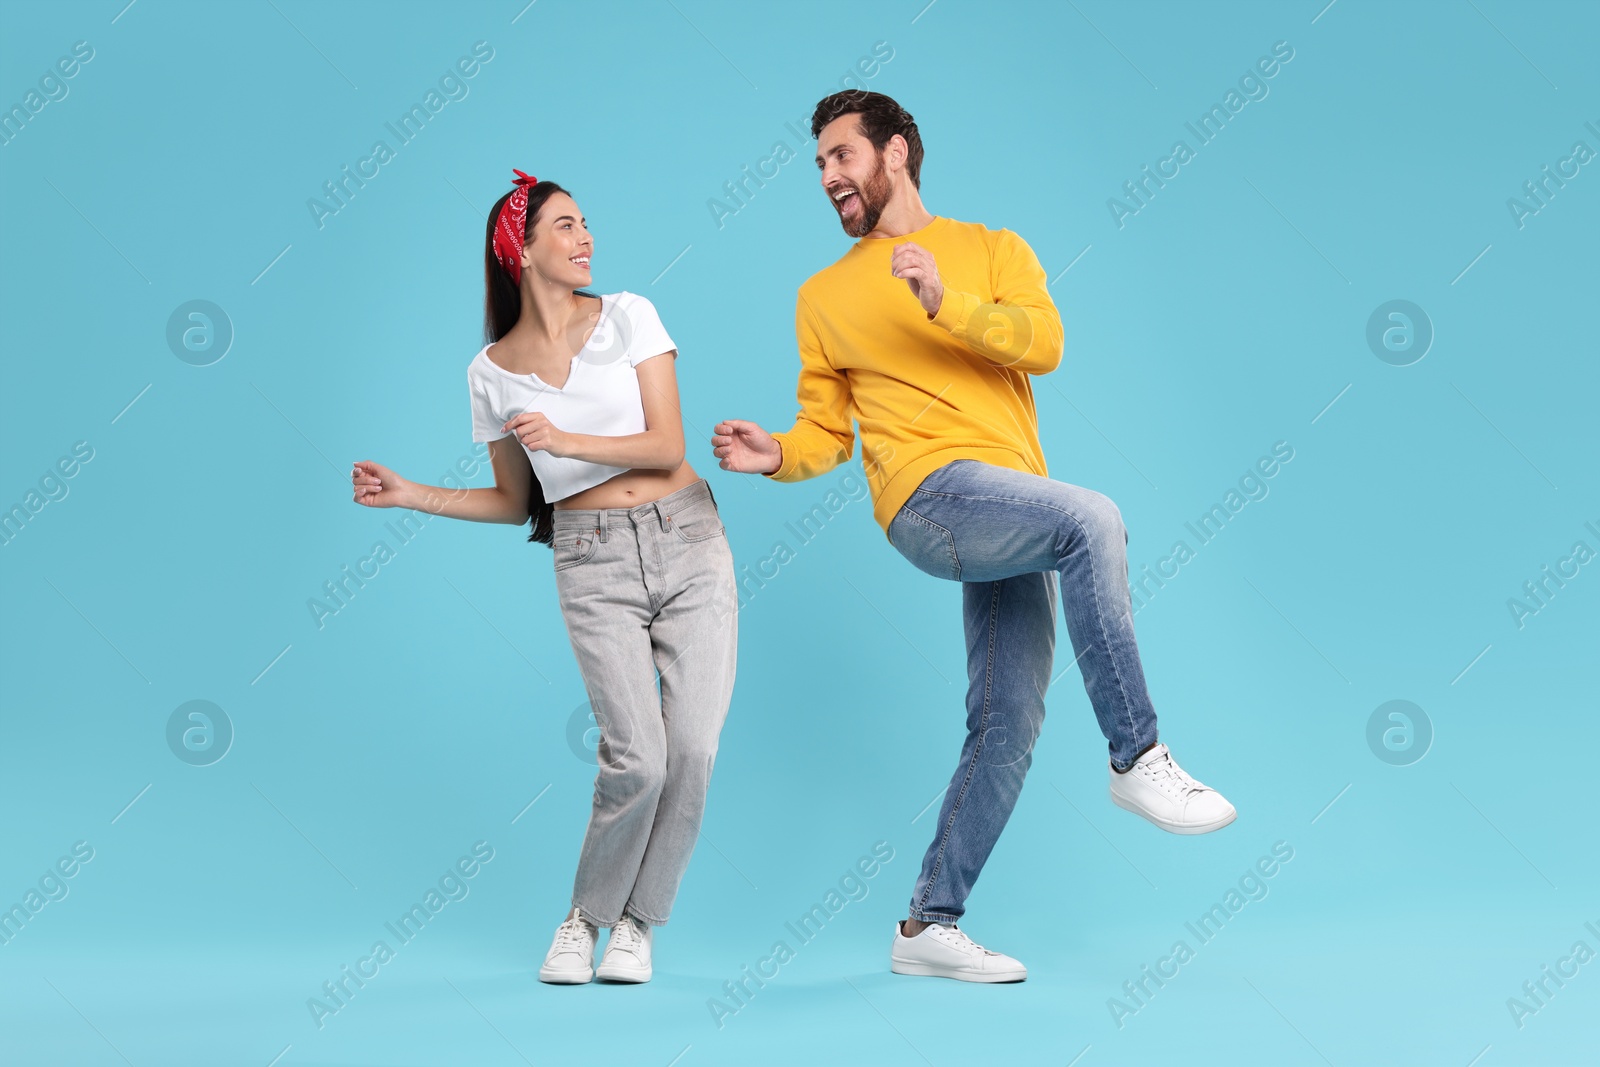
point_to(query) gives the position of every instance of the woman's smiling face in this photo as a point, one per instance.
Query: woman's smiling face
(559, 244)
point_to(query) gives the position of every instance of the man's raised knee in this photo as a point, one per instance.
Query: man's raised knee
(1102, 520)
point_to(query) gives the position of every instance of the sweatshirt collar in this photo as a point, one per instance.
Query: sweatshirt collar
(938, 221)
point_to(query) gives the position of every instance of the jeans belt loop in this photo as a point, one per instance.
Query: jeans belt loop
(666, 520)
(601, 529)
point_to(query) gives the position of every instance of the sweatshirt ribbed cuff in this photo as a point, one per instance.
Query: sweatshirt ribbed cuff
(786, 465)
(954, 311)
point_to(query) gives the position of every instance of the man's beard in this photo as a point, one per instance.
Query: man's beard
(873, 198)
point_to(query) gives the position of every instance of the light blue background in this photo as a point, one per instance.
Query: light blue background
(1225, 316)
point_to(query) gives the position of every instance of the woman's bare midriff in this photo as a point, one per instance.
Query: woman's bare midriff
(631, 488)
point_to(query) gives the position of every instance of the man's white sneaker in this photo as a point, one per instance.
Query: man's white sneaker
(943, 951)
(1157, 788)
(570, 960)
(627, 957)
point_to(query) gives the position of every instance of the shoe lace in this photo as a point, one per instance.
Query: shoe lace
(626, 936)
(1165, 774)
(573, 935)
(959, 936)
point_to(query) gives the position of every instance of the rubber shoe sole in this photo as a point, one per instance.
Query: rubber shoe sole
(619, 973)
(929, 970)
(564, 977)
(1171, 828)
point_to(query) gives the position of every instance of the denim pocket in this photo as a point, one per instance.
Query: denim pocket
(928, 546)
(572, 549)
(697, 520)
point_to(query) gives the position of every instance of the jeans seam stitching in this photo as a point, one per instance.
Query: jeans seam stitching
(977, 750)
(686, 539)
(1105, 639)
(935, 916)
(593, 544)
(949, 540)
(677, 528)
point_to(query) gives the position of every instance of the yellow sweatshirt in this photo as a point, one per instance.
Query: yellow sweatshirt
(924, 391)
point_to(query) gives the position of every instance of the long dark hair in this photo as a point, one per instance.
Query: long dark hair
(502, 307)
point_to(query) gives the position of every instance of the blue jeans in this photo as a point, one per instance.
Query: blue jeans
(1003, 534)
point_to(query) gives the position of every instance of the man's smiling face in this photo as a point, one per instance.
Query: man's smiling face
(853, 175)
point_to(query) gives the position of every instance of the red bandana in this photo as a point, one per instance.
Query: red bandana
(510, 227)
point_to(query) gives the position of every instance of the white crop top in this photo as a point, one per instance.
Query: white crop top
(600, 395)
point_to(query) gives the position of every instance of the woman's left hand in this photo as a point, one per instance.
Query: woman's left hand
(538, 433)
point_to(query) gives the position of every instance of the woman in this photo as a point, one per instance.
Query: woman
(576, 395)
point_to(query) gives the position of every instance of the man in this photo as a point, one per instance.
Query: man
(926, 332)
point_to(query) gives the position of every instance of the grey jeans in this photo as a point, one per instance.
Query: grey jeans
(648, 594)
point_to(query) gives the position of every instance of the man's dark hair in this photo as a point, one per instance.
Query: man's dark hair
(879, 119)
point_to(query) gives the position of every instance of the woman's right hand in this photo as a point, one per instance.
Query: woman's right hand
(376, 486)
(745, 447)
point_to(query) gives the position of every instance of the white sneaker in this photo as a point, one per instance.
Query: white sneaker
(1157, 788)
(627, 957)
(570, 960)
(943, 951)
